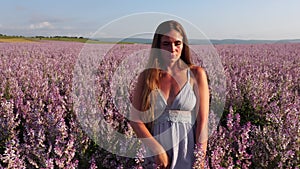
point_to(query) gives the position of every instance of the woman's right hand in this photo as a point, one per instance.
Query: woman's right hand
(162, 160)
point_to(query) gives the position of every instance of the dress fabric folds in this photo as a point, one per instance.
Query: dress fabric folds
(174, 127)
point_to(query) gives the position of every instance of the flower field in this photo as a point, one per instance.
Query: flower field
(39, 126)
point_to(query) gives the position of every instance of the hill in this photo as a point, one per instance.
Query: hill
(6, 38)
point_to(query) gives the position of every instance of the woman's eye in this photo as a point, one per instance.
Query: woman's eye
(166, 43)
(177, 43)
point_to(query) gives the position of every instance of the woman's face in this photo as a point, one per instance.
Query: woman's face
(172, 44)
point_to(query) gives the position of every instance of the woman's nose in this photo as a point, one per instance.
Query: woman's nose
(172, 47)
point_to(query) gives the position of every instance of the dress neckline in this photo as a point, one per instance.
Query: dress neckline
(178, 94)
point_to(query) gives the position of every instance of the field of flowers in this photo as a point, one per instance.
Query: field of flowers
(39, 128)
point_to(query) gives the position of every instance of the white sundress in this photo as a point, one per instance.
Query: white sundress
(174, 127)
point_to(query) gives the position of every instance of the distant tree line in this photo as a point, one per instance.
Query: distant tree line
(10, 36)
(55, 37)
(42, 37)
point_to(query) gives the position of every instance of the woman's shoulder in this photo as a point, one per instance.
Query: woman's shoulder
(146, 72)
(142, 76)
(200, 76)
(198, 71)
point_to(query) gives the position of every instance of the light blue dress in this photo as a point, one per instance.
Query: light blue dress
(174, 127)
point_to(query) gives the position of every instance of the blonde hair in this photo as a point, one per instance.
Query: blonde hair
(152, 74)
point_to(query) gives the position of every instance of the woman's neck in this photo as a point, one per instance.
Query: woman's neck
(175, 67)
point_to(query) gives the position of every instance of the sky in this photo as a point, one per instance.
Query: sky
(216, 19)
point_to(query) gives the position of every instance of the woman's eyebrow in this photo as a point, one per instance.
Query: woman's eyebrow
(169, 40)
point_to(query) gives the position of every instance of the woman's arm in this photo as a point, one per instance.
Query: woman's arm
(140, 128)
(203, 111)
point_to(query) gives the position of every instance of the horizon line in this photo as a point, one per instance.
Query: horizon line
(70, 36)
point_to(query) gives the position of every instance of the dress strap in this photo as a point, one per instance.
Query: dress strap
(188, 75)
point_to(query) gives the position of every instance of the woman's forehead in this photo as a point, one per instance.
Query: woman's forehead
(172, 36)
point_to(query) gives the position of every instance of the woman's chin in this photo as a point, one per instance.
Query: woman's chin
(171, 58)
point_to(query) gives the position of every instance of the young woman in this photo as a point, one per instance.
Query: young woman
(171, 101)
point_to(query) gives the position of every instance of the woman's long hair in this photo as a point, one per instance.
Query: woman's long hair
(154, 65)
